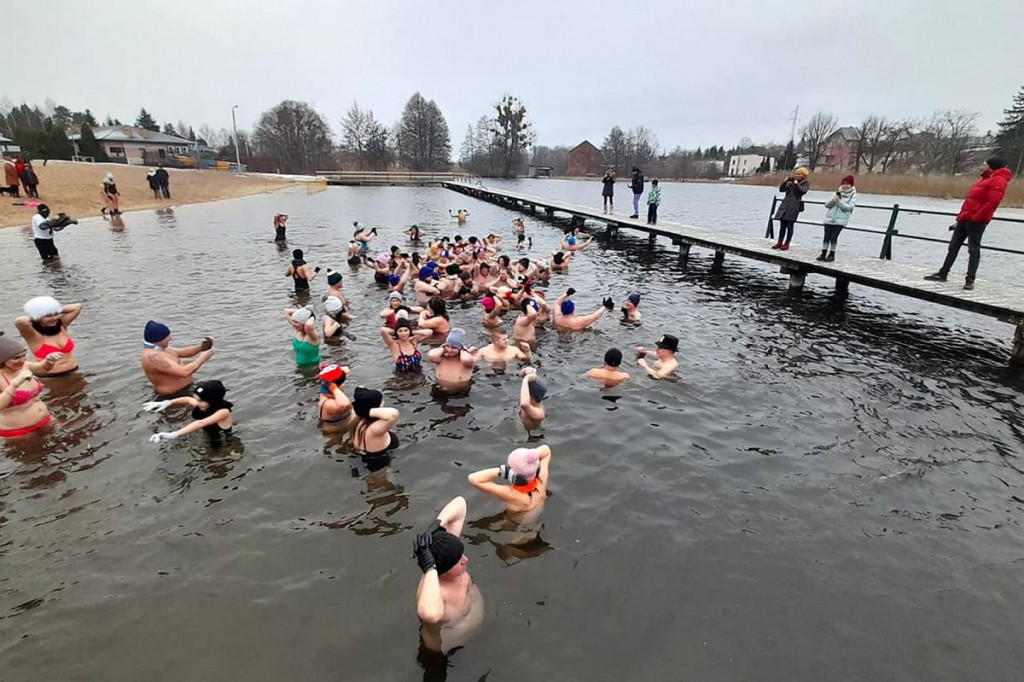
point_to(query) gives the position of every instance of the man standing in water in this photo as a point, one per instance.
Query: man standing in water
(454, 362)
(43, 228)
(162, 364)
(566, 317)
(448, 603)
(666, 364)
(499, 353)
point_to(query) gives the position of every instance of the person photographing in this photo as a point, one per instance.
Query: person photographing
(43, 227)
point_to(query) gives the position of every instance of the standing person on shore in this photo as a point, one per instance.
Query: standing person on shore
(43, 228)
(837, 215)
(30, 180)
(980, 204)
(608, 191)
(19, 165)
(795, 187)
(280, 220)
(151, 179)
(636, 183)
(162, 364)
(11, 178)
(111, 197)
(653, 201)
(163, 181)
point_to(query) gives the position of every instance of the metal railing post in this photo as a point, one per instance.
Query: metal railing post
(770, 230)
(886, 253)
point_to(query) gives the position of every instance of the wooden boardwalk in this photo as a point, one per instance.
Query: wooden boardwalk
(363, 178)
(1004, 302)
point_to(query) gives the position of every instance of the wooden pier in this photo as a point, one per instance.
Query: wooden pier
(365, 178)
(1005, 302)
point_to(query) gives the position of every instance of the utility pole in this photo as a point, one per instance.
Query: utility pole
(234, 129)
(794, 119)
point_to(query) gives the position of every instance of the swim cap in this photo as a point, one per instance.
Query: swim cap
(212, 392)
(155, 332)
(9, 348)
(613, 357)
(538, 391)
(41, 306)
(365, 399)
(426, 272)
(634, 298)
(559, 257)
(334, 278)
(333, 304)
(571, 241)
(447, 550)
(394, 279)
(456, 337)
(302, 315)
(395, 294)
(488, 303)
(568, 307)
(335, 373)
(525, 463)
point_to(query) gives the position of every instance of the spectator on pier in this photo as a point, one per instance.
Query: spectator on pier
(839, 208)
(609, 189)
(795, 187)
(653, 201)
(980, 204)
(636, 183)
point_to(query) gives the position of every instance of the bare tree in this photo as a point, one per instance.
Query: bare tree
(355, 128)
(816, 135)
(615, 149)
(513, 132)
(296, 134)
(642, 145)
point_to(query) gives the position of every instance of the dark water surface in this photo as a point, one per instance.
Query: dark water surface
(828, 492)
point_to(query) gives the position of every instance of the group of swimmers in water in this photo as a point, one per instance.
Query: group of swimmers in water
(417, 288)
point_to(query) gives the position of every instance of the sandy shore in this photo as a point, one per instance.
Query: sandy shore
(74, 188)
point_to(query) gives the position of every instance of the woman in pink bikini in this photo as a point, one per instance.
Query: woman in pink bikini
(44, 326)
(21, 410)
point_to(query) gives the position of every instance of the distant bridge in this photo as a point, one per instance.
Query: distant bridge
(358, 178)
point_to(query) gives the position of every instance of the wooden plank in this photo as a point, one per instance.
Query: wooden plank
(994, 299)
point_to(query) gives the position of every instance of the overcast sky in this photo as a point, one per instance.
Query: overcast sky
(696, 73)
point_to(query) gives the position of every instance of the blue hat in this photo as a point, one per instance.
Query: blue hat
(456, 338)
(634, 298)
(427, 272)
(568, 307)
(155, 332)
(394, 279)
(571, 240)
(538, 391)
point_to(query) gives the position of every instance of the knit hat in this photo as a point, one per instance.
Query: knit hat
(847, 180)
(155, 332)
(10, 348)
(393, 279)
(456, 338)
(365, 399)
(335, 373)
(524, 462)
(395, 294)
(332, 304)
(538, 390)
(302, 315)
(634, 298)
(568, 307)
(613, 357)
(996, 162)
(334, 278)
(488, 303)
(41, 306)
(447, 550)
(426, 273)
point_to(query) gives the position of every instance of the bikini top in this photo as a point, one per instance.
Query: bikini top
(24, 395)
(46, 349)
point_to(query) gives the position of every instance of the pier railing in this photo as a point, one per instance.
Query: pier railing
(891, 230)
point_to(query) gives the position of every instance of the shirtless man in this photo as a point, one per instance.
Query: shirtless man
(666, 364)
(499, 353)
(559, 261)
(448, 603)
(491, 316)
(610, 375)
(629, 308)
(425, 286)
(525, 328)
(531, 396)
(574, 241)
(566, 317)
(162, 364)
(462, 216)
(454, 362)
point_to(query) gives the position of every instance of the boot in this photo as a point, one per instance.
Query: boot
(777, 245)
(969, 283)
(822, 256)
(937, 277)
(784, 247)
(830, 257)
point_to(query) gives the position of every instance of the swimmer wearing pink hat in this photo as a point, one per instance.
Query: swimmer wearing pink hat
(521, 483)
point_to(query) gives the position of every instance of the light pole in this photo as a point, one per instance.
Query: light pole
(234, 129)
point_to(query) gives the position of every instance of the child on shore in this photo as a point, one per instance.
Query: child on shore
(653, 199)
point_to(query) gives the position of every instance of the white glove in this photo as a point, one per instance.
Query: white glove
(162, 436)
(156, 406)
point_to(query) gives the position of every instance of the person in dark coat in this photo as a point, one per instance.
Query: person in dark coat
(163, 181)
(795, 187)
(30, 180)
(609, 189)
(153, 183)
(980, 204)
(636, 183)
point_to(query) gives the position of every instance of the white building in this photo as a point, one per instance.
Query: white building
(742, 165)
(7, 146)
(137, 146)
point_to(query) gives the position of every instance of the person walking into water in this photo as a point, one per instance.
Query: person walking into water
(839, 207)
(980, 204)
(653, 201)
(111, 197)
(795, 187)
(636, 183)
(608, 191)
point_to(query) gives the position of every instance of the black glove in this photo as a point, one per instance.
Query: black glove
(609, 303)
(570, 291)
(952, 227)
(373, 231)
(316, 269)
(424, 555)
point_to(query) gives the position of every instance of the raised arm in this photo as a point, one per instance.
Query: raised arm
(178, 370)
(389, 341)
(311, 332)
(484, 481)
(385, 417)
(453, 515)
(436, 354)
(70, 313)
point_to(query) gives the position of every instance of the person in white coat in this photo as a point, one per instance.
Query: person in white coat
(837, 215)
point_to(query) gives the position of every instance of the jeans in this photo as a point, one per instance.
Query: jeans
(652, 214)
(785, 231)
(636, 204)
(831, 237)
(971, 232)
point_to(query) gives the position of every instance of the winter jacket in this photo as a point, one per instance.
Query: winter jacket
(637, 183)
(29, 177)
(838, 212)
(609, 187)
(154, 184)
(10, 173)
(791, 205)
(162, 178)
(654, 196)
(984, 197)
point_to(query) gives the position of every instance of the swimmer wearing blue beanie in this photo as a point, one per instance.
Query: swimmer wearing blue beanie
(162, 364)
(566, 318)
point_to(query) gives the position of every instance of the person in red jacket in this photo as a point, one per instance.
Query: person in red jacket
(981, 202)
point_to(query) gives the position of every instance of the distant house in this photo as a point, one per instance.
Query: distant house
(137, 146)
(742, 165)
(840, 152)
(584, 159)
(8, 147)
